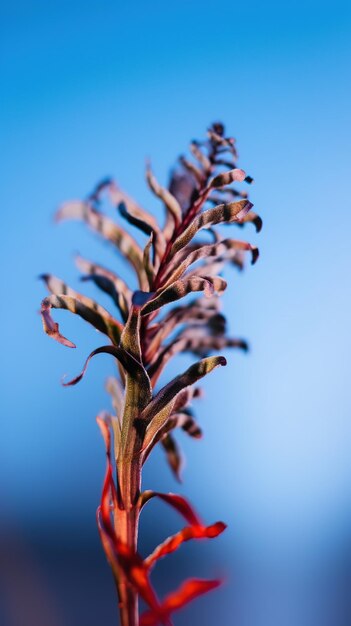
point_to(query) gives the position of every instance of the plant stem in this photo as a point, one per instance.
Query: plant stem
(126, 525)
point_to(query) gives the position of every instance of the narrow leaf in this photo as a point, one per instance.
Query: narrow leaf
(187, 592)
(97, 317)
(132, 211)
(201, 157)
(158, 410)
(226, 246)
(194, 373)
(173, 454)
(252, 217)
(193, 169)
(166, 196)
(177, 502)
(128, 362)
(171, 544)
(108, 282)
(181, 288)
(148, 266)
(222, 214)
(108, 229)
(226, 178)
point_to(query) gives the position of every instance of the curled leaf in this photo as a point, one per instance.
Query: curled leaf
(157, 412)
(252, 217)
(171, 544)
(194, 373)
(148, 265)
(132, 211)
(195, 530)
(222, 248)
(226, 178)
(173, 454)
(96, 316)
(181, 288)
(51, 327)
(201, 157)
(185, 421)
(108, 229)
(177, 502)
(222, 214)
(187, 592)
(128, 362)
(108, 282)
(199, 343)
(170, 202)
(193, 169)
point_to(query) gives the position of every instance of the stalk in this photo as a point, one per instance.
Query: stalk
(126, 526)
(142, 339)
(126, 519)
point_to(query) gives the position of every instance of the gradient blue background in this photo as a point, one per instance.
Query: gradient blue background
(88, 89)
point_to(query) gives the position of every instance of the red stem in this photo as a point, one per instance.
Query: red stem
(126, 517)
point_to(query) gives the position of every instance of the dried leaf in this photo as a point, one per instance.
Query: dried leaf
(166, 196)
(222, 214)
(226, 178)
(201, 157)
(222, 248)
(173, 454)
(108, 282)
(109, 230)
(132, 211)
(185, 421)
(193, 169)
(181, 288)
(86, 308)
(197, 312)
(158, 410)
(251, 216)
(128, 362)
(148, 266)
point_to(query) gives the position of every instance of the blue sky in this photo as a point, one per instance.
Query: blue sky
(90, 89)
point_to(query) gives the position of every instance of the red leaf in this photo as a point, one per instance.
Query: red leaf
(171, 544)
(187, 592)
(177, 502)
(195, 530)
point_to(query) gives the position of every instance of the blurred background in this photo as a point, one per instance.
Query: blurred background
(90, 89)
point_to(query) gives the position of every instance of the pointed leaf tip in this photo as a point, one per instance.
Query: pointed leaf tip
(255, 254)
(226, 178)
(51, 327)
